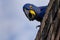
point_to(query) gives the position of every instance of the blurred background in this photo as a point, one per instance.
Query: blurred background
(13, 23)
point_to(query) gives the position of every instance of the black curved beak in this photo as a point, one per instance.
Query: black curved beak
(29, 15)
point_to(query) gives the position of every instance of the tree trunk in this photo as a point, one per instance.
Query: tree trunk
(50, 27)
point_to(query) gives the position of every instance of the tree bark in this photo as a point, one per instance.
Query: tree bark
(50, 27)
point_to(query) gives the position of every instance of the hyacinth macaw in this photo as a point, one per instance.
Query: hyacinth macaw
(33, 12)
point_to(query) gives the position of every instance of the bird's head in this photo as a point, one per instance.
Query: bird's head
(30, 11)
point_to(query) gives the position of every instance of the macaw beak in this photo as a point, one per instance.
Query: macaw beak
(30, 14)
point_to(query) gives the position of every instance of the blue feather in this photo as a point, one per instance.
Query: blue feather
(40, 11)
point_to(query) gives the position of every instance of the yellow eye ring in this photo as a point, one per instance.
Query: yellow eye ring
(32, 12)
(30, 7)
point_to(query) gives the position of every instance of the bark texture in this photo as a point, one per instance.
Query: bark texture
(50, 27)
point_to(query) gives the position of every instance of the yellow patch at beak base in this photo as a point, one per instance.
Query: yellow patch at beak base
(32, 12)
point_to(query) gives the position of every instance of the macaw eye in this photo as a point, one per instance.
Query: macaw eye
(30, 7)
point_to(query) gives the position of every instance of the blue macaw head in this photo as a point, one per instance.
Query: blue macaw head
(31, 11)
